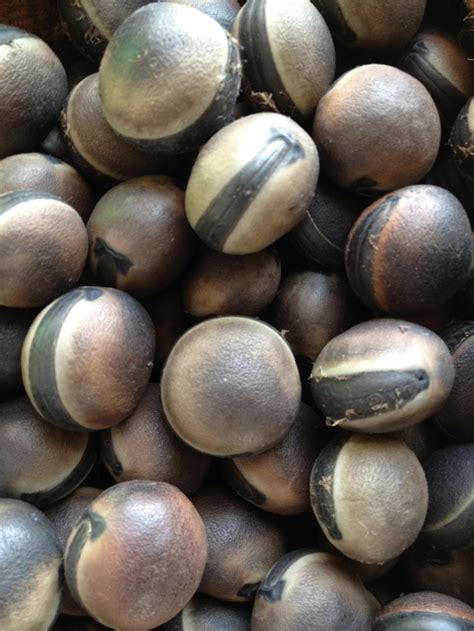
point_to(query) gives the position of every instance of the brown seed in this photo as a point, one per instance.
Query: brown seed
(40, 172)
(64, 515)
(143, 447)
(288, 53)
(435, 58)
(30, 557)
(310, 309)
(87, 358)
(316, 588)
(40, 463)
(243, 545)
(241, 376)
(445, 571)
(382, 376)
(166, 44)
(44, 243)
(450, 520)
(93, 147)
(137, 555)
(322, 234)
(222, 284)
(369, 495)
(33, 87)
(373, 26)
(410, 250)
(377, 129)
(277, 480)
(140, 240)
(425, 610)
(238, 199)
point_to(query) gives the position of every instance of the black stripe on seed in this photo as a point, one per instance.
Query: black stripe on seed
(335, 17)
(322, 486)
(225, 211)
(71, 482)
(447, 96)
(41, 364)
(91, 526)
(425, 620)
(359, 256)
(108, 454)
(248, 590)
(456, 335)
(241, 486)
(110, 263)
(271, 588)
(367, 394)
(260, 69)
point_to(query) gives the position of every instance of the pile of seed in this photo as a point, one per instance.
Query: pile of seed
(236, 315)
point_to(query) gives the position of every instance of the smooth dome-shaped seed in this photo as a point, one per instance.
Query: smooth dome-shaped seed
(436, 59)
(166, 44)
(312, 588)
(143, 447)
(450, 519)
(33, 87)
(369, 495)
(30, 557)
(41, 172)
(277, 480)
(425, 610)
(311, 308)
(39, 463)
(208, 614)
(238, 199)
(222, 11)
(90, 24)
(64, 515)
(462, 142)
(449, 572)
(242, 377)
(377, 129)
(371, 25)
(410, 250)
(222, 284)
(44, 243)
(382, 376)
(137, 555)
(322, 234)
(14, 325)
(93, 147)
(87, 358)
(456, 416)
(140, 240)
(244, 543)
(288, 53)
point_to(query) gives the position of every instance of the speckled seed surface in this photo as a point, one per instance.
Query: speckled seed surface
(241, 376)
